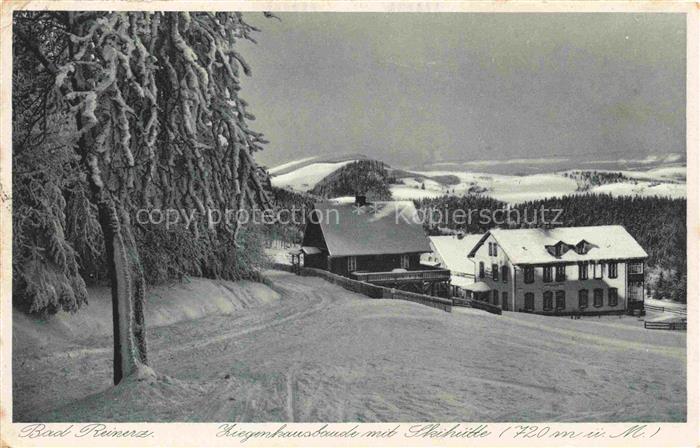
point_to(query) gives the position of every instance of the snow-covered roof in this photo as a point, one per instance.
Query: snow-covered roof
(478, 287)
(529, 246)
(389, 227)
(462, 282)
(453, 251)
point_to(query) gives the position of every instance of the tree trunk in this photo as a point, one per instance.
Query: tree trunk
(128, 288)
(125, 271)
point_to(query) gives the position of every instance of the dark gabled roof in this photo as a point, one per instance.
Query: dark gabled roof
(374, 229)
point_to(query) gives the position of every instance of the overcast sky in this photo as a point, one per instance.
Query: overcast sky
(409, 88)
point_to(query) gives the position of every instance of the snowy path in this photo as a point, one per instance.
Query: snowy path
(321, 353)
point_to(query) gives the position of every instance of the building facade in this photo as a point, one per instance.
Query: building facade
(574, 270)
(448, 251)
(378, 242)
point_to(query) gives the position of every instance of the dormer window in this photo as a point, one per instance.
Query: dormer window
(559, 249)
(583, 247)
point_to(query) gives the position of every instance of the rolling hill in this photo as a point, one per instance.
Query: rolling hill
(323, 176)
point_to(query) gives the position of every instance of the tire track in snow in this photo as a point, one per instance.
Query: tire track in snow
(293, 290)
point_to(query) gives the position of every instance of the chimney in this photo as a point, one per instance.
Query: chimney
(360, 200)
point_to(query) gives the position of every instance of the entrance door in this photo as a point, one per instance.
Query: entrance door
(635, 295)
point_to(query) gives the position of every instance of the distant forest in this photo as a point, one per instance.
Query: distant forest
(369, 177)
(658, 224)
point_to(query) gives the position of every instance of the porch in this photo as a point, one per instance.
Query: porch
(424, 280)
(402, 275)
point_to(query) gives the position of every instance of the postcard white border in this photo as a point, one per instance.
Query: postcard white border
(204, 434)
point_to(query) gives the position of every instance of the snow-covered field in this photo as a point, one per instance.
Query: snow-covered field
(662, 181)
(677, 173)
(667, 182)
(404, 193)
(321, 353)
(499, 186)
(671, 190)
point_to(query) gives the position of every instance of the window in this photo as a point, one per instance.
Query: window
(493, 249)
(529, 274)
(352, 264)
(598, 270)
(583, 247)
(561, 272)
(405, 261)
(558, 250)
(561, 300)
(612, 270)
(597, 297)
(529, 301)
(504, 274)
(636, 268)
(583, 298)
(495, 297)
(547, 301)
(583, 271)
(547, 274)
(504, 299)
(612, 297)
(494, 272)
(482, 270)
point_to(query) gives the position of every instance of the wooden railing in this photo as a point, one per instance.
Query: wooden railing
(493, 309)
(423, 299)
(364, 288)
(378, 292)
(388, 277)
(662, 309)
(683, 325)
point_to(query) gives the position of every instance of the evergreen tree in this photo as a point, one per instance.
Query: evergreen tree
(660, 286)
(134, 110)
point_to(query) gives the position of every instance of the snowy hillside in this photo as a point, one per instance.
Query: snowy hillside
(304, 174)
(306, 177)
(502, 187)
(289, 166)
(670, 190)
(321, 353)
(667, 182)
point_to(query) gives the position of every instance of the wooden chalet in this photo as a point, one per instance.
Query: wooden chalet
(375, 242)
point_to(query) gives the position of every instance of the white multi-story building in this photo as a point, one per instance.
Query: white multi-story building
(566, 270)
